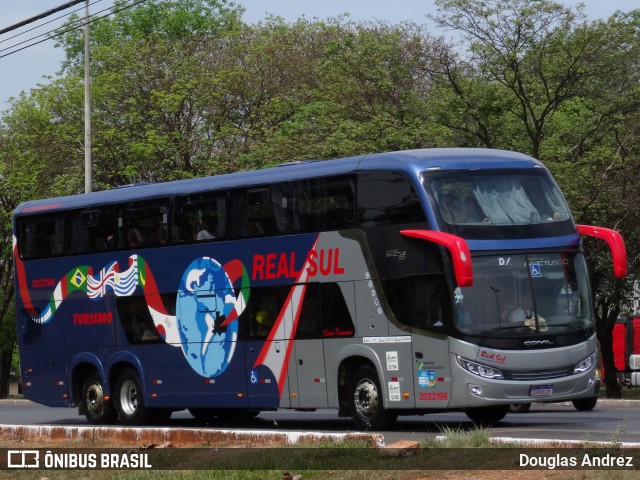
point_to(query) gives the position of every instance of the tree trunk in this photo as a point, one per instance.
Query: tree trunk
(5, 370)
(604, 330)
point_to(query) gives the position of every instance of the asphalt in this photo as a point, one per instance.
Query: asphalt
(174, 437)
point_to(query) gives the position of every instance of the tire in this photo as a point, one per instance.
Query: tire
(519, 407)
(585, 404)
(97, 410)
(365, 401)
(128, 399)
(487, 416)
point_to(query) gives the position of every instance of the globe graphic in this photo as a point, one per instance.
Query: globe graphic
(205, 299)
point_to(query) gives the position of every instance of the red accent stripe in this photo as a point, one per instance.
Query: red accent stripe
(22, 279)
(151, 293)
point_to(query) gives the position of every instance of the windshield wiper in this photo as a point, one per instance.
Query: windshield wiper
(580, 328)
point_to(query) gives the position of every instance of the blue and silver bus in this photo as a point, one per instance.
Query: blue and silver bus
(379, 285)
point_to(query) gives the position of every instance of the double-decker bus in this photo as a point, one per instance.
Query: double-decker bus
(380, 285)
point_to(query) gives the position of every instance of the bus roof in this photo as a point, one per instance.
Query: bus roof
(409, 161)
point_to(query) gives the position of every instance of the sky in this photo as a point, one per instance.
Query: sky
(26, 69)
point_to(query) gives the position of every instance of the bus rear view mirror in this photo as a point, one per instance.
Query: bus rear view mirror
(616, 245)
(458, 248)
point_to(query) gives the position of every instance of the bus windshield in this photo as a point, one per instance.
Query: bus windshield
(522, 294)
(502, 199)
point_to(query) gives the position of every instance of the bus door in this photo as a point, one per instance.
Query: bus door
(307, 364)
(429, 318)
(266, 329)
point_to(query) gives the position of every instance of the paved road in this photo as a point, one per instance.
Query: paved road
(609, 421)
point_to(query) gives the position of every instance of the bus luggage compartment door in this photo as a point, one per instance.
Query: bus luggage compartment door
(432, 372)
(312, 382)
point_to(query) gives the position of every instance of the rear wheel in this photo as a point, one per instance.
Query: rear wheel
(97, 410)
(128, 399)
(365, 401)
(487, 416)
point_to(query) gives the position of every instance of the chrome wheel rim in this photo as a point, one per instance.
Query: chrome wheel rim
(94, 398)
(129, 397)
(365, 398)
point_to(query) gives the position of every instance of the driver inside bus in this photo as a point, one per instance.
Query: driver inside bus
(524, 313)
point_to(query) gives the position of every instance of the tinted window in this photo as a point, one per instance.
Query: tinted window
(324, 312)
(136, 320)
(92, 230)
(418, 301)
(200, 217)
(143, 224)
(324, 204)
(387, 198)
(41, 235)
(262, 310)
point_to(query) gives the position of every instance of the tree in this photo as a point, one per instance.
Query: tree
(540, 79)
(535, 52)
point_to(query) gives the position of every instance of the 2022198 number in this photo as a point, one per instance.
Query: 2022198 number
(431, 396)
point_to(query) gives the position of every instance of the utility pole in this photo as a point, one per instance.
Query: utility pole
(87, 105)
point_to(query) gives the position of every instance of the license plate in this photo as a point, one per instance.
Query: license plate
(541, 390)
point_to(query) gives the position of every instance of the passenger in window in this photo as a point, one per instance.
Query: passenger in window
(134, 238)
(159, 237)
(208, 229)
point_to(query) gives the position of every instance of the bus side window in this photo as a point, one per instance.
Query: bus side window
(143, 224)
(43, 236)
(136, 320)
(337, 321)
(399, 204)
(310, 321)
(417, 301)
(260, 213)
(325, 204)
(92, 230)
(200, 217)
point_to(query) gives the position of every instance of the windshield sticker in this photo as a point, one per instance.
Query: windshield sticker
(535, 269)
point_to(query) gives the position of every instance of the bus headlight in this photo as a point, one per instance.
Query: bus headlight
(585, 364)
(480, 370)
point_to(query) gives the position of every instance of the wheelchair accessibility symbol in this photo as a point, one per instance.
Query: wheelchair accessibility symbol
(535, 270)
(254, 377)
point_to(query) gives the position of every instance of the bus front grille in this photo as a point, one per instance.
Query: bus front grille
(533, 375)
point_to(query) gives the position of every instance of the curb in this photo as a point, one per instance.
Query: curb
(151, 437)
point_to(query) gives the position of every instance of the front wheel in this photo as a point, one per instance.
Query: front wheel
(487, 416)
(128, 398)
(97, 410)
(365, 401)
(585, 404)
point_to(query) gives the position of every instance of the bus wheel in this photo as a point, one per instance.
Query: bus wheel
(128, 398)
(585, 404)
(365, 401)
(519, 407)
(487, 416)
(97, 410)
